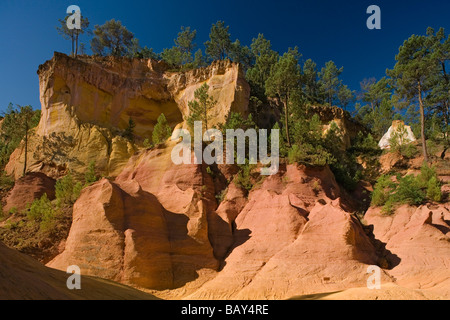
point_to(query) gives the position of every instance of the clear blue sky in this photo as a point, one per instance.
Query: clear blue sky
(323, 30)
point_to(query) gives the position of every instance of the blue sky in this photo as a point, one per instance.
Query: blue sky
(323, 30)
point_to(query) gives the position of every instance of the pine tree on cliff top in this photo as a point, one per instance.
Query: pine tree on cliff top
(112, 38)
(283, 81)
(219, 44)
(73, 34)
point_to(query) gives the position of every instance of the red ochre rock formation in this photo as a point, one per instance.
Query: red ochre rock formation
(418, 240)
(29, 188)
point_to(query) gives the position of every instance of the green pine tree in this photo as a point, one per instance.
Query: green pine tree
(199, 107)
(219, 44)
(283, 81)
(161, 131)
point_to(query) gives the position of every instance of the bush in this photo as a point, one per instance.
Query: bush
(129, 130)
(426, 173)
(90, 177)
(244, 178)
(309, 154)
(382, 190)
(365, 144)
(66, 190)
(39, 207)
(408, 190)
(147, 143)
(162, 130)
(434, 190)
(408, 151)
(43, 212)
(6, 182)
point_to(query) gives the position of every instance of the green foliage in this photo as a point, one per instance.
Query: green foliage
(219, 44)
(378, 119)
(112, 38)
(408, 151)
(236, 121)
(432, 147)
(185, 39)
(16, 122)
(136, 51)
(173, 57)
(284, 83)
(399, 143)
(310, 154)
(181, 53)
(147, 144)
(434, 190)
(329, 82)
(6, 182)
(90, 177)
(265, 59)
(244, 178)
(408, 190)
(67, 190)
(45, 213)
(382, 190)
(285, 76)
(426, 174)
(129, 130)
(199, 60)
(241, 54)
(162, 131)
(421, 80)
(198, 108)
(365, 144)
(311, 86)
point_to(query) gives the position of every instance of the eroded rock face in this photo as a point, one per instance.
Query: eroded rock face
(157, 227)
(119, 235)
(29, 188)
(286, 241)
(419, 246)
(149, 228)
(87, 102)
(348, 127)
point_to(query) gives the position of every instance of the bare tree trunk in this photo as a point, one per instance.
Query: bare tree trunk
(76, 43)
(446, 103)
(422, 123)
(26, 148)
(286, 115)
(72, 36)
(206, 118)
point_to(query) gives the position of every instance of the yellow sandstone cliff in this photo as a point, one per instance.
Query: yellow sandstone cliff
(87, 103)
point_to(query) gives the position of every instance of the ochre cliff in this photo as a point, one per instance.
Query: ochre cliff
(189, 231)
(87, 103)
